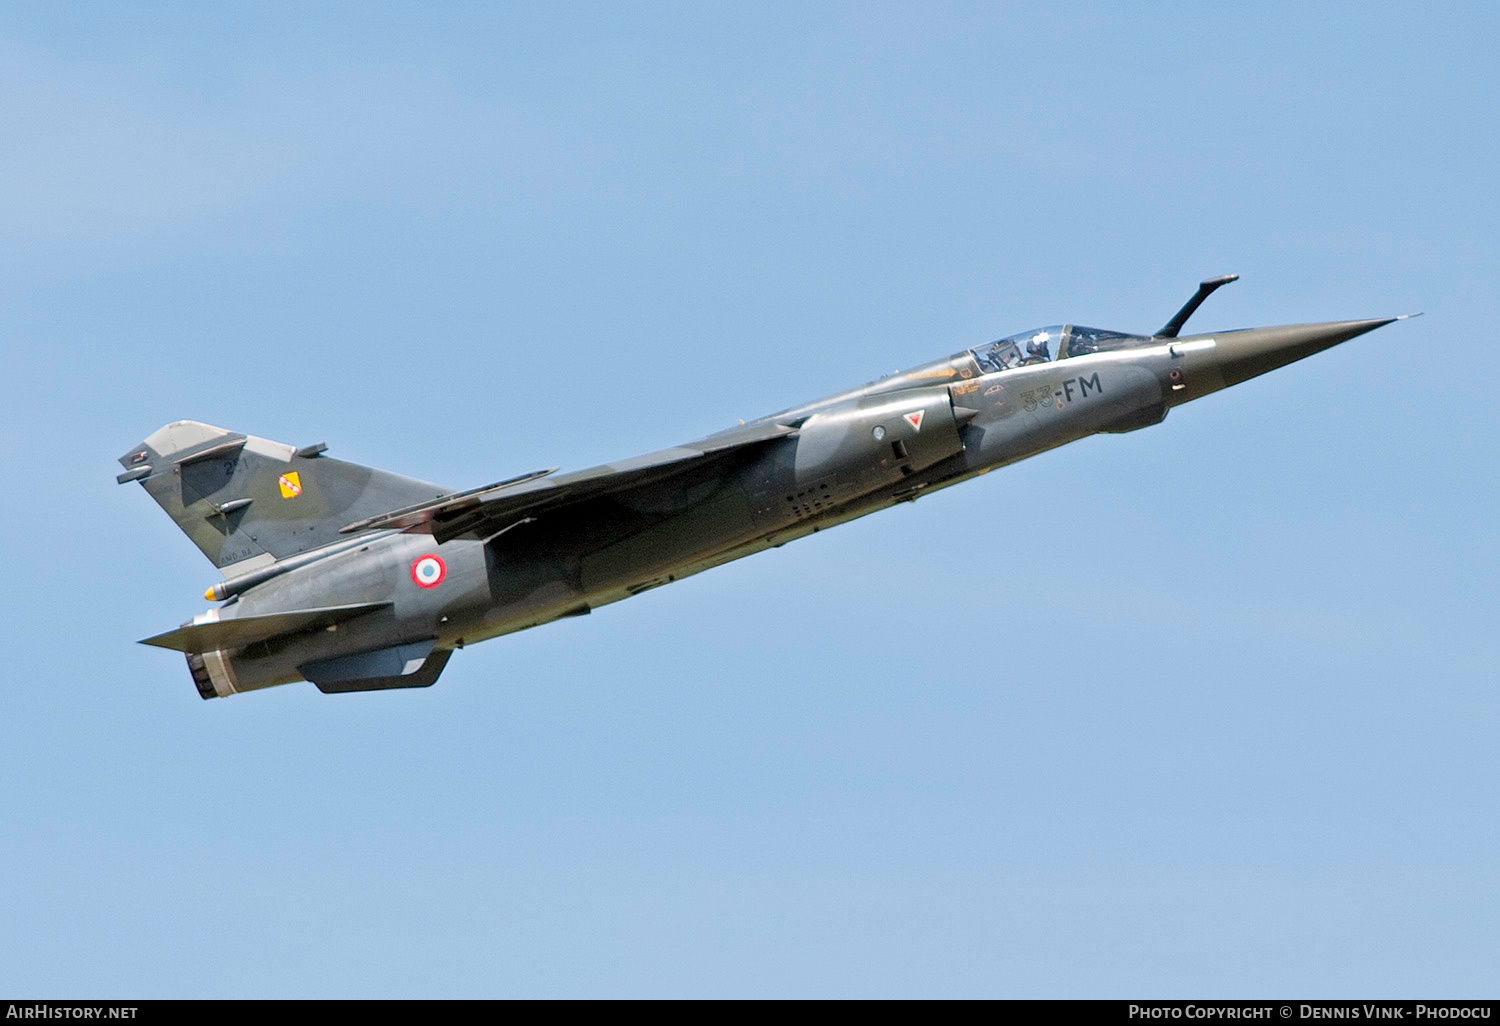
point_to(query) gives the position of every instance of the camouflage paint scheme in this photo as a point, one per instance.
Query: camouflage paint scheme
(357, 579)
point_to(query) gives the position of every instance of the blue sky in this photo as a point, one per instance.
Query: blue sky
(1208, 709)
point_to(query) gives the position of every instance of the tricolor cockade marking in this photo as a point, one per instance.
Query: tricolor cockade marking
(428, 571)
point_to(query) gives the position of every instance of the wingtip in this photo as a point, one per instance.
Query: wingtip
(1407, 317)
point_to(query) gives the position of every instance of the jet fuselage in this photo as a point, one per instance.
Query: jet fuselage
(386, 606)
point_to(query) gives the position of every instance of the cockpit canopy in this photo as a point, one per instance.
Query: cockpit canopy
(1054, 342)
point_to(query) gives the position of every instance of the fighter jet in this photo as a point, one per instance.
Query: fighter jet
(359, 580)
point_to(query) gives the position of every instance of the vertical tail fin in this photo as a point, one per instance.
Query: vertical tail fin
(245, 501)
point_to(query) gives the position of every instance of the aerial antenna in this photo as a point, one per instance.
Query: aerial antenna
(1205, 289)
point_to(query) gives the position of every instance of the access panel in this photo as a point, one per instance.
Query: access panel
(851, 449)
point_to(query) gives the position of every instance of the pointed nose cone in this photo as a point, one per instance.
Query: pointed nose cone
(1242, 355)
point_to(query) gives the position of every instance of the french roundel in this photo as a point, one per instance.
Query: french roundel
(428, 571)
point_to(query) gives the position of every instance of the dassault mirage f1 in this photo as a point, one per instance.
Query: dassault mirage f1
(359, 580)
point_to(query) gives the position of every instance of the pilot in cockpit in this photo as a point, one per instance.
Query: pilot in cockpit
(1036, 349)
